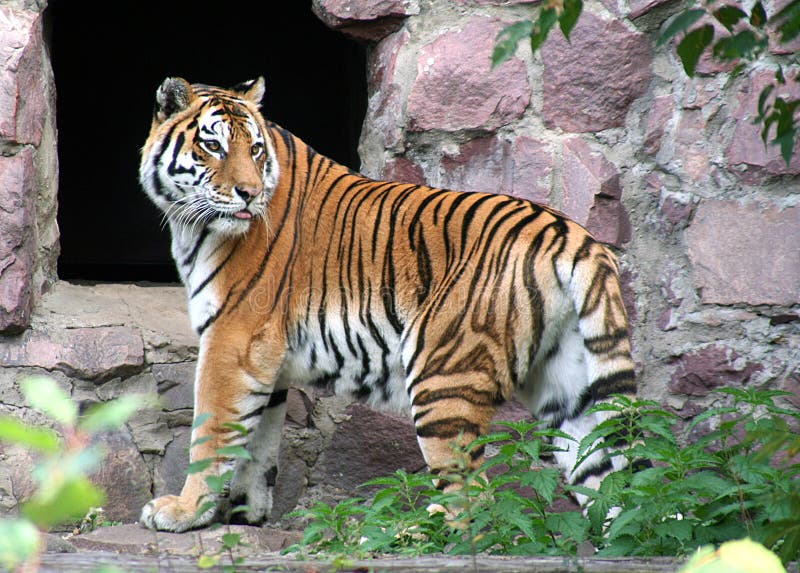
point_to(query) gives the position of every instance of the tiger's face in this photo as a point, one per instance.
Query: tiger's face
(208, 161)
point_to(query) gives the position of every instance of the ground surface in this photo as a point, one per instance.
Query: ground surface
(134, 549)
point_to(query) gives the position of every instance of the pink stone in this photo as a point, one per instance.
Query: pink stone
(660, 113)
(368, 20)
(385, 106)
(591, 193)
(675, 211)
(403, 170)
(691, 144)
(17, 245)
(590, 81)
(87, 353)
(699, 372)
(745, 253)
(488, 164)
(746, 147)
(23, 97)
(456, 88)
(533, 170)
(479, 165)
(641, 7)
(368, 445)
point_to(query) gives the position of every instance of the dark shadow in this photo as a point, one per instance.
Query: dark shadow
(109, 58)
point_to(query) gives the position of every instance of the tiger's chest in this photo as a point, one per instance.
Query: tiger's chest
(352, 355)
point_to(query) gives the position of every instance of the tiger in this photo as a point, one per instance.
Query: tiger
(302, 272)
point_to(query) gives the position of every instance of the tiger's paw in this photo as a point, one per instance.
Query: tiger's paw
(173, 513)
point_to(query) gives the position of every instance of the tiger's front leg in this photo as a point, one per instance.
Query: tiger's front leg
(227, 399)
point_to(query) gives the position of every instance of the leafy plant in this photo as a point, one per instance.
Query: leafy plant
(735, 480)
(218, 485)
(740, 37)
(64, 491)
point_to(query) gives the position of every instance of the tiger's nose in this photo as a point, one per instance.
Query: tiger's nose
(246, 193)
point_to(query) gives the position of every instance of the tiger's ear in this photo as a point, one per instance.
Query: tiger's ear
(252, 90)
(172, 96)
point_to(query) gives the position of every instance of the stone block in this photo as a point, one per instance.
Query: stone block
(385, 107)
(478, 165)
(746, 147)
(368, 20)
(23, 99)
(591, 193)
(697, 373)
(170, 472)
(532, 161)
(745, 253)
(124, 477)
(403, 170)
(491, 165)
(456, 88)
(660, 113)
(17, 240)
(175, 384)
(99, 353)
(367, 445)
(589, 82)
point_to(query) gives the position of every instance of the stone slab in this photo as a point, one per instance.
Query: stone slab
(745, 253)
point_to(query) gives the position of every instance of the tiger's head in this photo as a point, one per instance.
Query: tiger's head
(208, 161)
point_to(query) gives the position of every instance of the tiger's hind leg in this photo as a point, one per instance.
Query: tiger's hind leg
(588, 361)
(450, 411)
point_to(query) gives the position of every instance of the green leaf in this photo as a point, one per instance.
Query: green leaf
(543, 481)
(207, 561)
(19, 541)
(199, 466)
(679, 23)
(570, 15)
(44, 395)
(744, 44)
(200, 419)
(14, 431)
(547, 17)
(788, 20)
(691, 47)
(507, 40)
(758, 16)
(199, 441)
(234, 452)
(231, 540)
(217, 483)
(110, 415)
(69, 502)
(204, 507)
(238, 428)
(786, 143)
(729, 15)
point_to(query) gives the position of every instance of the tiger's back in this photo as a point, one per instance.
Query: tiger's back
(398, 294)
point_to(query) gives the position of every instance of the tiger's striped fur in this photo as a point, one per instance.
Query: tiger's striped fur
(300, 271)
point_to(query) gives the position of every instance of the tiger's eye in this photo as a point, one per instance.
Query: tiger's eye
(255, 149)
(211, 145)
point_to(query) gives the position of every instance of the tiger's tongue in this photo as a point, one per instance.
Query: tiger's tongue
(242, 215)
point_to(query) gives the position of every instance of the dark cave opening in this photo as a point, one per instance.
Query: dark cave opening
(107, 69)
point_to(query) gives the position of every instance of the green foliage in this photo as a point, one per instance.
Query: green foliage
(745, 39)
(64, 492)
(734, 480)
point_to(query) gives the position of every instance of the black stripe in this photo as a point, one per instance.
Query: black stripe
(605, 342)
(447, 428)
(603, 467)
(214, 273)
(277, 398)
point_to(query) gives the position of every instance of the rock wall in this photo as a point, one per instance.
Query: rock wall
(28, 164)
(670, 170)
